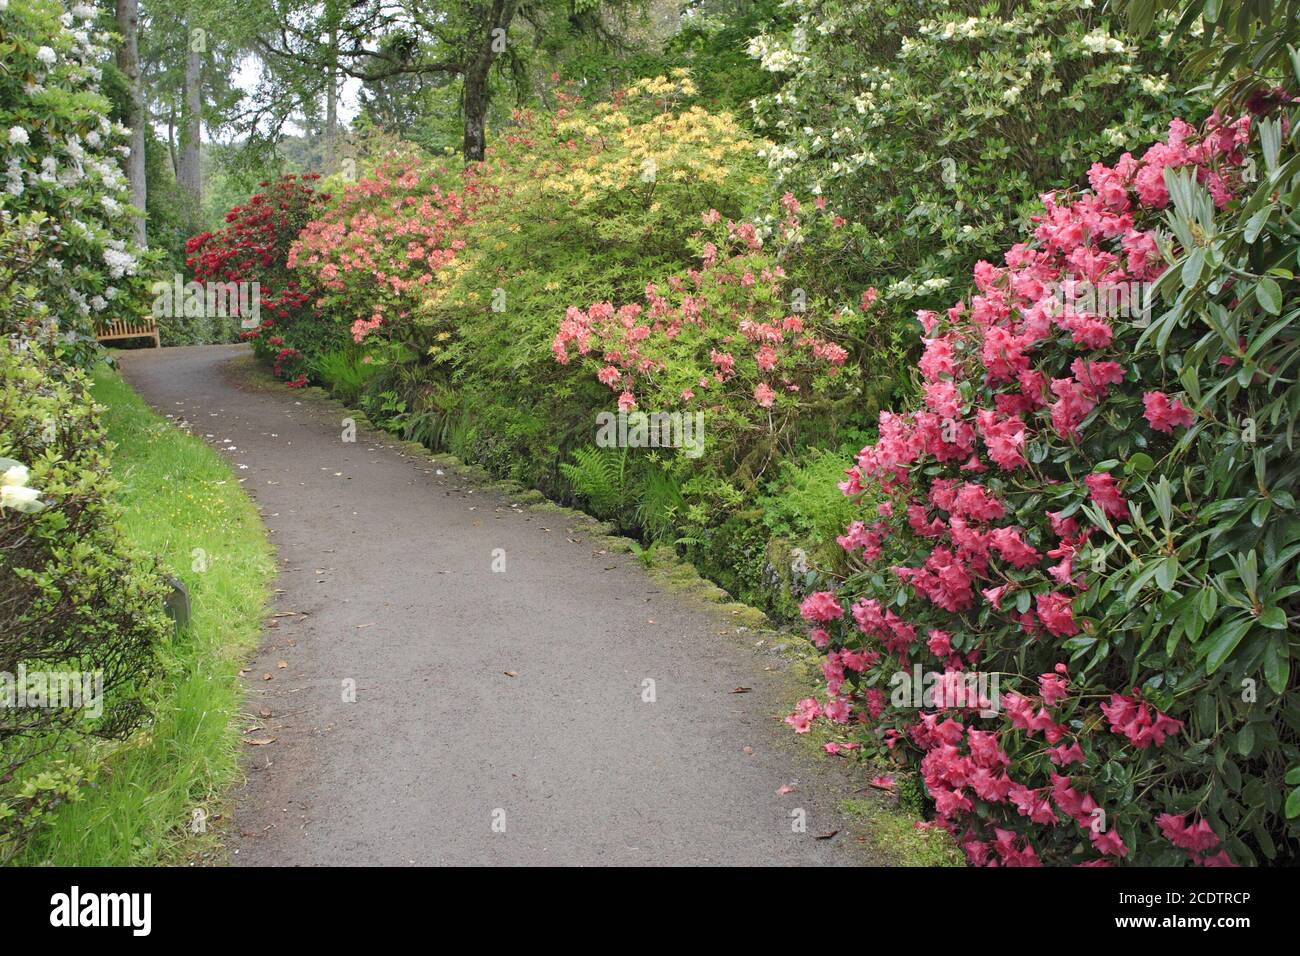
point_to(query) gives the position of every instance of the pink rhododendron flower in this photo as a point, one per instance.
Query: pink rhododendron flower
(1138, 721)
(837, 710)
(940, 643)
(1053, 686)
(1063, 756)
(1012, 547)
(1109, 843)
(806, 711)
(1164, 414)
(833, 748)
(821, 606)
(1104, 489)
(1055, 612)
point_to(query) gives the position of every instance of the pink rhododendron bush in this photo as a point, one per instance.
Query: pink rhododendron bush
(1076, 603)
(720, 339)
(374, 255)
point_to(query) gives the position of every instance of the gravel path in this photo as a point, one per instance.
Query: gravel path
(498, 717)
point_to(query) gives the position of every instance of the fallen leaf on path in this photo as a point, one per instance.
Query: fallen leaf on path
(826, 836)
(260, 741)
(782, 790)
(267, 677)
(282, 664)
(742, 690)
(882, 783)
(510, 673)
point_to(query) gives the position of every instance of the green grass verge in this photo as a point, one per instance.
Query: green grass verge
(178, 496)
(893, 832)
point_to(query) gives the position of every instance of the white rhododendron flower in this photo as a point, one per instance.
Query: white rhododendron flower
(18, 136)
(15, 475)
(14, 492)
(19, 498)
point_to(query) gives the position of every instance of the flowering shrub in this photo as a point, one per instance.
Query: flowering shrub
(597, 196)
(73, 597)
(720, 338)
(1101, 513)
(375, 255)
(602, 204)
(59, 155)
(254, 247)
(452, 282)
(933, 126)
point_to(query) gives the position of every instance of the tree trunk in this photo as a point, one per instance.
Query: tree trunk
(474, 86)
(332, 106)
(190, 174)
(128, 61)
(171, 138)
(476, 103)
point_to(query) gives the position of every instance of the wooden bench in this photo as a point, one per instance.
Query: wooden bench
(143, 328)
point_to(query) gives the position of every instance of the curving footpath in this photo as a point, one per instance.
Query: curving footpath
(498, 717)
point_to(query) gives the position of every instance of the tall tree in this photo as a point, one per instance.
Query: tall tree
(332, 100)
(189, 162)
(303, 41)
(188, 55)
(128, 61)
(478, 62)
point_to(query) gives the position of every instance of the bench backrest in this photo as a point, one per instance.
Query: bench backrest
(146, 326)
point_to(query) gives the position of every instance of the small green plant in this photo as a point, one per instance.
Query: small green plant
(659, 500)
(600, 476)
(345, 372)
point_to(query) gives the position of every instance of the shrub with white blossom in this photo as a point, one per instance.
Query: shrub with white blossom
(933, 125)
(60, 159)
